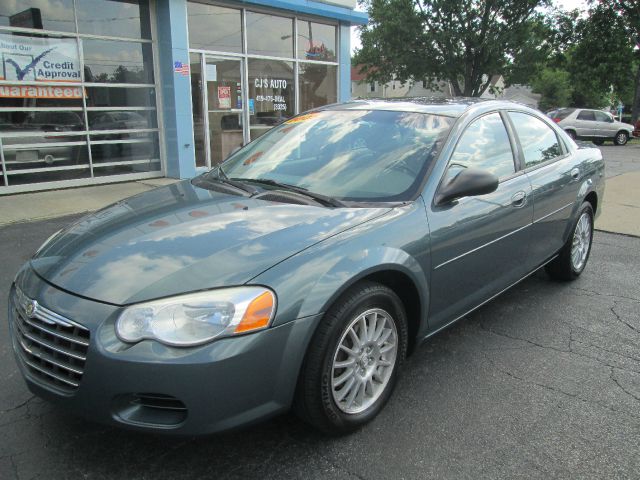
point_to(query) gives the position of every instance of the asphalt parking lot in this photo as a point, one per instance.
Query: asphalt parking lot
(543, 382)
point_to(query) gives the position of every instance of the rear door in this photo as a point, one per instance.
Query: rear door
(555, 179)
(478, 244)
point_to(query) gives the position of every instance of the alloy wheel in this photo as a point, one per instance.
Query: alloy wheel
(581, 242)
(364, 360)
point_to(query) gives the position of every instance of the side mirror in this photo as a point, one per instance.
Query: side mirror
(468, 183)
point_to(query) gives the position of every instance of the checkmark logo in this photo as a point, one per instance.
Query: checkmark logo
(22, 72)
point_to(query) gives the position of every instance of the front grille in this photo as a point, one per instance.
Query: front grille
(52, 348)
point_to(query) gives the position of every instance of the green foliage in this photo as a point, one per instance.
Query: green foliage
(462, 41)
(602, 59)
(555, 88)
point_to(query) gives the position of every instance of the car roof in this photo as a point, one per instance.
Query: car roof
(451, 107)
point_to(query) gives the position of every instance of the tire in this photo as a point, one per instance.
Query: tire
(572, 134)
(621, 138)
(337, 409)
(574, 255)
(598, 141)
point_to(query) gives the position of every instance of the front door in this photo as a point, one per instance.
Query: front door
(218, 101)
(478, 243)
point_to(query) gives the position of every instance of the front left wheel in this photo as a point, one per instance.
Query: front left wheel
(621, 138)
(353, 360)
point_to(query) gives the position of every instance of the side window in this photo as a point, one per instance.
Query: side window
(484, 145)
(587, 115)
(538, 140)
(602, 117)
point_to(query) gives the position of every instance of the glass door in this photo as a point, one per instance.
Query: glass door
(218, 119)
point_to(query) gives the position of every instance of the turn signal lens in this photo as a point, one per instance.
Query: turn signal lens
(258, 313)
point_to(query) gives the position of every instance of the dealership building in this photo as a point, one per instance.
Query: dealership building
(100, 91)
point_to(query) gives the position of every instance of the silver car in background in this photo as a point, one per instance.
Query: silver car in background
(594, 125)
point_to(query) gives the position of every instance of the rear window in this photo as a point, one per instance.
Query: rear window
(562, 113)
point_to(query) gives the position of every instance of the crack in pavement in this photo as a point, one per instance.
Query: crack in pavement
(558, 390)
(598, 294)
(617, 315)
(617, 382)
(570, 351)
(18, 406)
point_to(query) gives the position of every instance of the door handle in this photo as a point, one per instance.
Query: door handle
(519, 199)
(575, 173)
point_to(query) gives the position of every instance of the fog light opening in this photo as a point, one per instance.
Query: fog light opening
(154, 410)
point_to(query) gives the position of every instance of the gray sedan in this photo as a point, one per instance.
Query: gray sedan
(595, 125)
(304, 269)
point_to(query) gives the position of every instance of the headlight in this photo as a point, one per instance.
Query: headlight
(198, 318)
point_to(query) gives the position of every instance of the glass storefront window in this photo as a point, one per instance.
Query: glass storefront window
(44, 104)
(318, 85)
(39, 14)
(214, 28)
(140, 146)
(41, 156)
(118, 18)
(269, 35)
(271, 94)
(121, 120)
(222, 125)
(316, 41)
(223, 78)
(112, 61)
(139, 167)
(50, 175)
(120, 97)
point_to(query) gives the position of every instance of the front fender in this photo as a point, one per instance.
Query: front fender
(309, 282)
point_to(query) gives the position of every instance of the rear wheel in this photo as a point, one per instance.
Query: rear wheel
(353, 360)
(621, 138)
(598, 141)
(573, 257)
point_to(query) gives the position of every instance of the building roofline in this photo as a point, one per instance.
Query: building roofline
(310, 7)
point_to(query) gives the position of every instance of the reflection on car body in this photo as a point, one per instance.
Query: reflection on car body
(304, 269)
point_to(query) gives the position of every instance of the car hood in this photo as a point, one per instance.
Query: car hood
(181, 238)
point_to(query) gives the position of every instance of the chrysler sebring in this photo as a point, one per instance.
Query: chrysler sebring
(304, 269)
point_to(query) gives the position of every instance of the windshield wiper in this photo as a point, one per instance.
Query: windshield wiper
(330, 201)
(221, 177)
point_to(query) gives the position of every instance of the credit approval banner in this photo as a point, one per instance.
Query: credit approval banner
(32, 59)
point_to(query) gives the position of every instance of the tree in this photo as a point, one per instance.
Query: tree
(463, 41)
(555, 88)
(629, 11)
(601, 62)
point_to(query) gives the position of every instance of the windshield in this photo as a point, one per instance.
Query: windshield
(358, 155)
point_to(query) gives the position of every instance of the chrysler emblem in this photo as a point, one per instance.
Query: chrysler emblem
(31, 308)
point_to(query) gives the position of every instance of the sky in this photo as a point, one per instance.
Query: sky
(563, 4)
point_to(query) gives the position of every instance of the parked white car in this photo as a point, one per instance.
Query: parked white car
(594, 125)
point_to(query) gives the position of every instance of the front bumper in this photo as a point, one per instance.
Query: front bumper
(149, 386)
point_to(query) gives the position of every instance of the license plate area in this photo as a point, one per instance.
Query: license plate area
(26, 155)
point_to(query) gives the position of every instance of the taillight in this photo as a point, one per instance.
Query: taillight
(556, 119)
